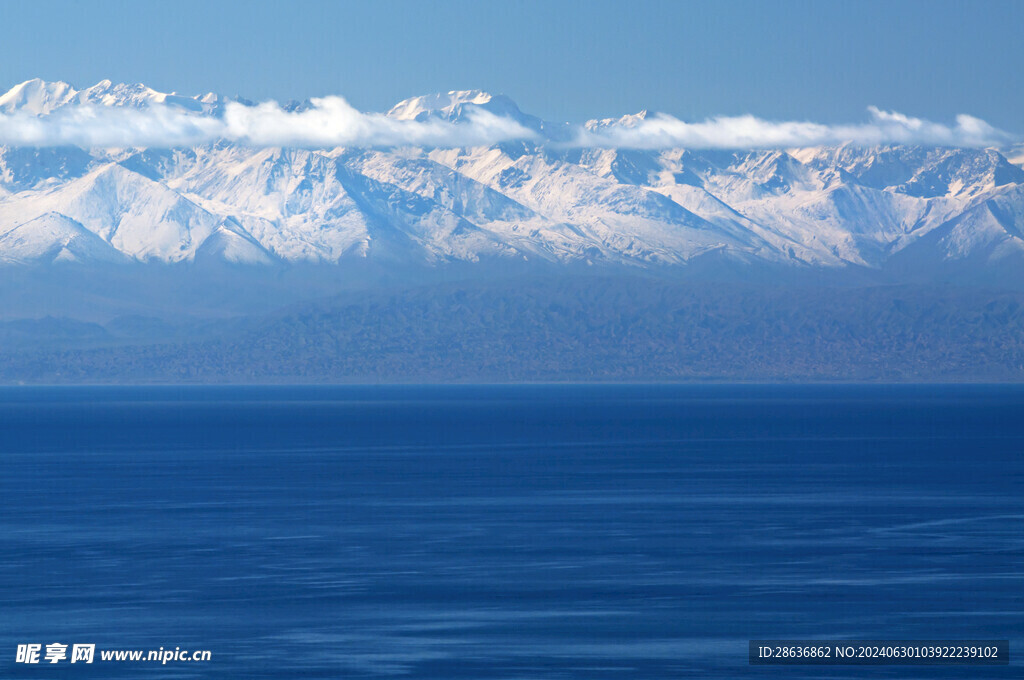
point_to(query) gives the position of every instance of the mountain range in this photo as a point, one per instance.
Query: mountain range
(832, 208)
(527, 259)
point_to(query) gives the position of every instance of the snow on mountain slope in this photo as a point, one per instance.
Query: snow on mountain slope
(53, 237)
(630, 120)
(811, 201)
(994, 227)
(230, 242)
(505, 219)
(290, 201)
(25, 167)
(303, 205)
(917, 171)
(459, 106)
(448, 106)
(140, 217)
(408, 223)
(38, 97)
(618, 222)
(986, 237)
(106, 93)
(678, 175)
(542, 200)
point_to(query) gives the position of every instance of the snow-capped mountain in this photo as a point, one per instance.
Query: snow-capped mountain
(537, 200)
(41, 97)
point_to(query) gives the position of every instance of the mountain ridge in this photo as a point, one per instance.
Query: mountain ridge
(822, 207)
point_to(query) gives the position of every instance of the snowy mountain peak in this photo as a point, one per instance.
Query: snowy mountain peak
(439, 105)
(36, 96)
(39, 97)
(53, 237)
(137, 95)
(459, 106)
(628, 121)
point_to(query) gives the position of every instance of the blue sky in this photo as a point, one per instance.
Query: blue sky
(822, 61)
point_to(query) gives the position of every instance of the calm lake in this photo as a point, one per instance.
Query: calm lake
(525, 532)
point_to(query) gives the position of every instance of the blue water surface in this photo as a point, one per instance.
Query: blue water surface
(525, 532)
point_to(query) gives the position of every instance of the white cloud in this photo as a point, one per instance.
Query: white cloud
(108, 126)
(331, 122)
(730, 132)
